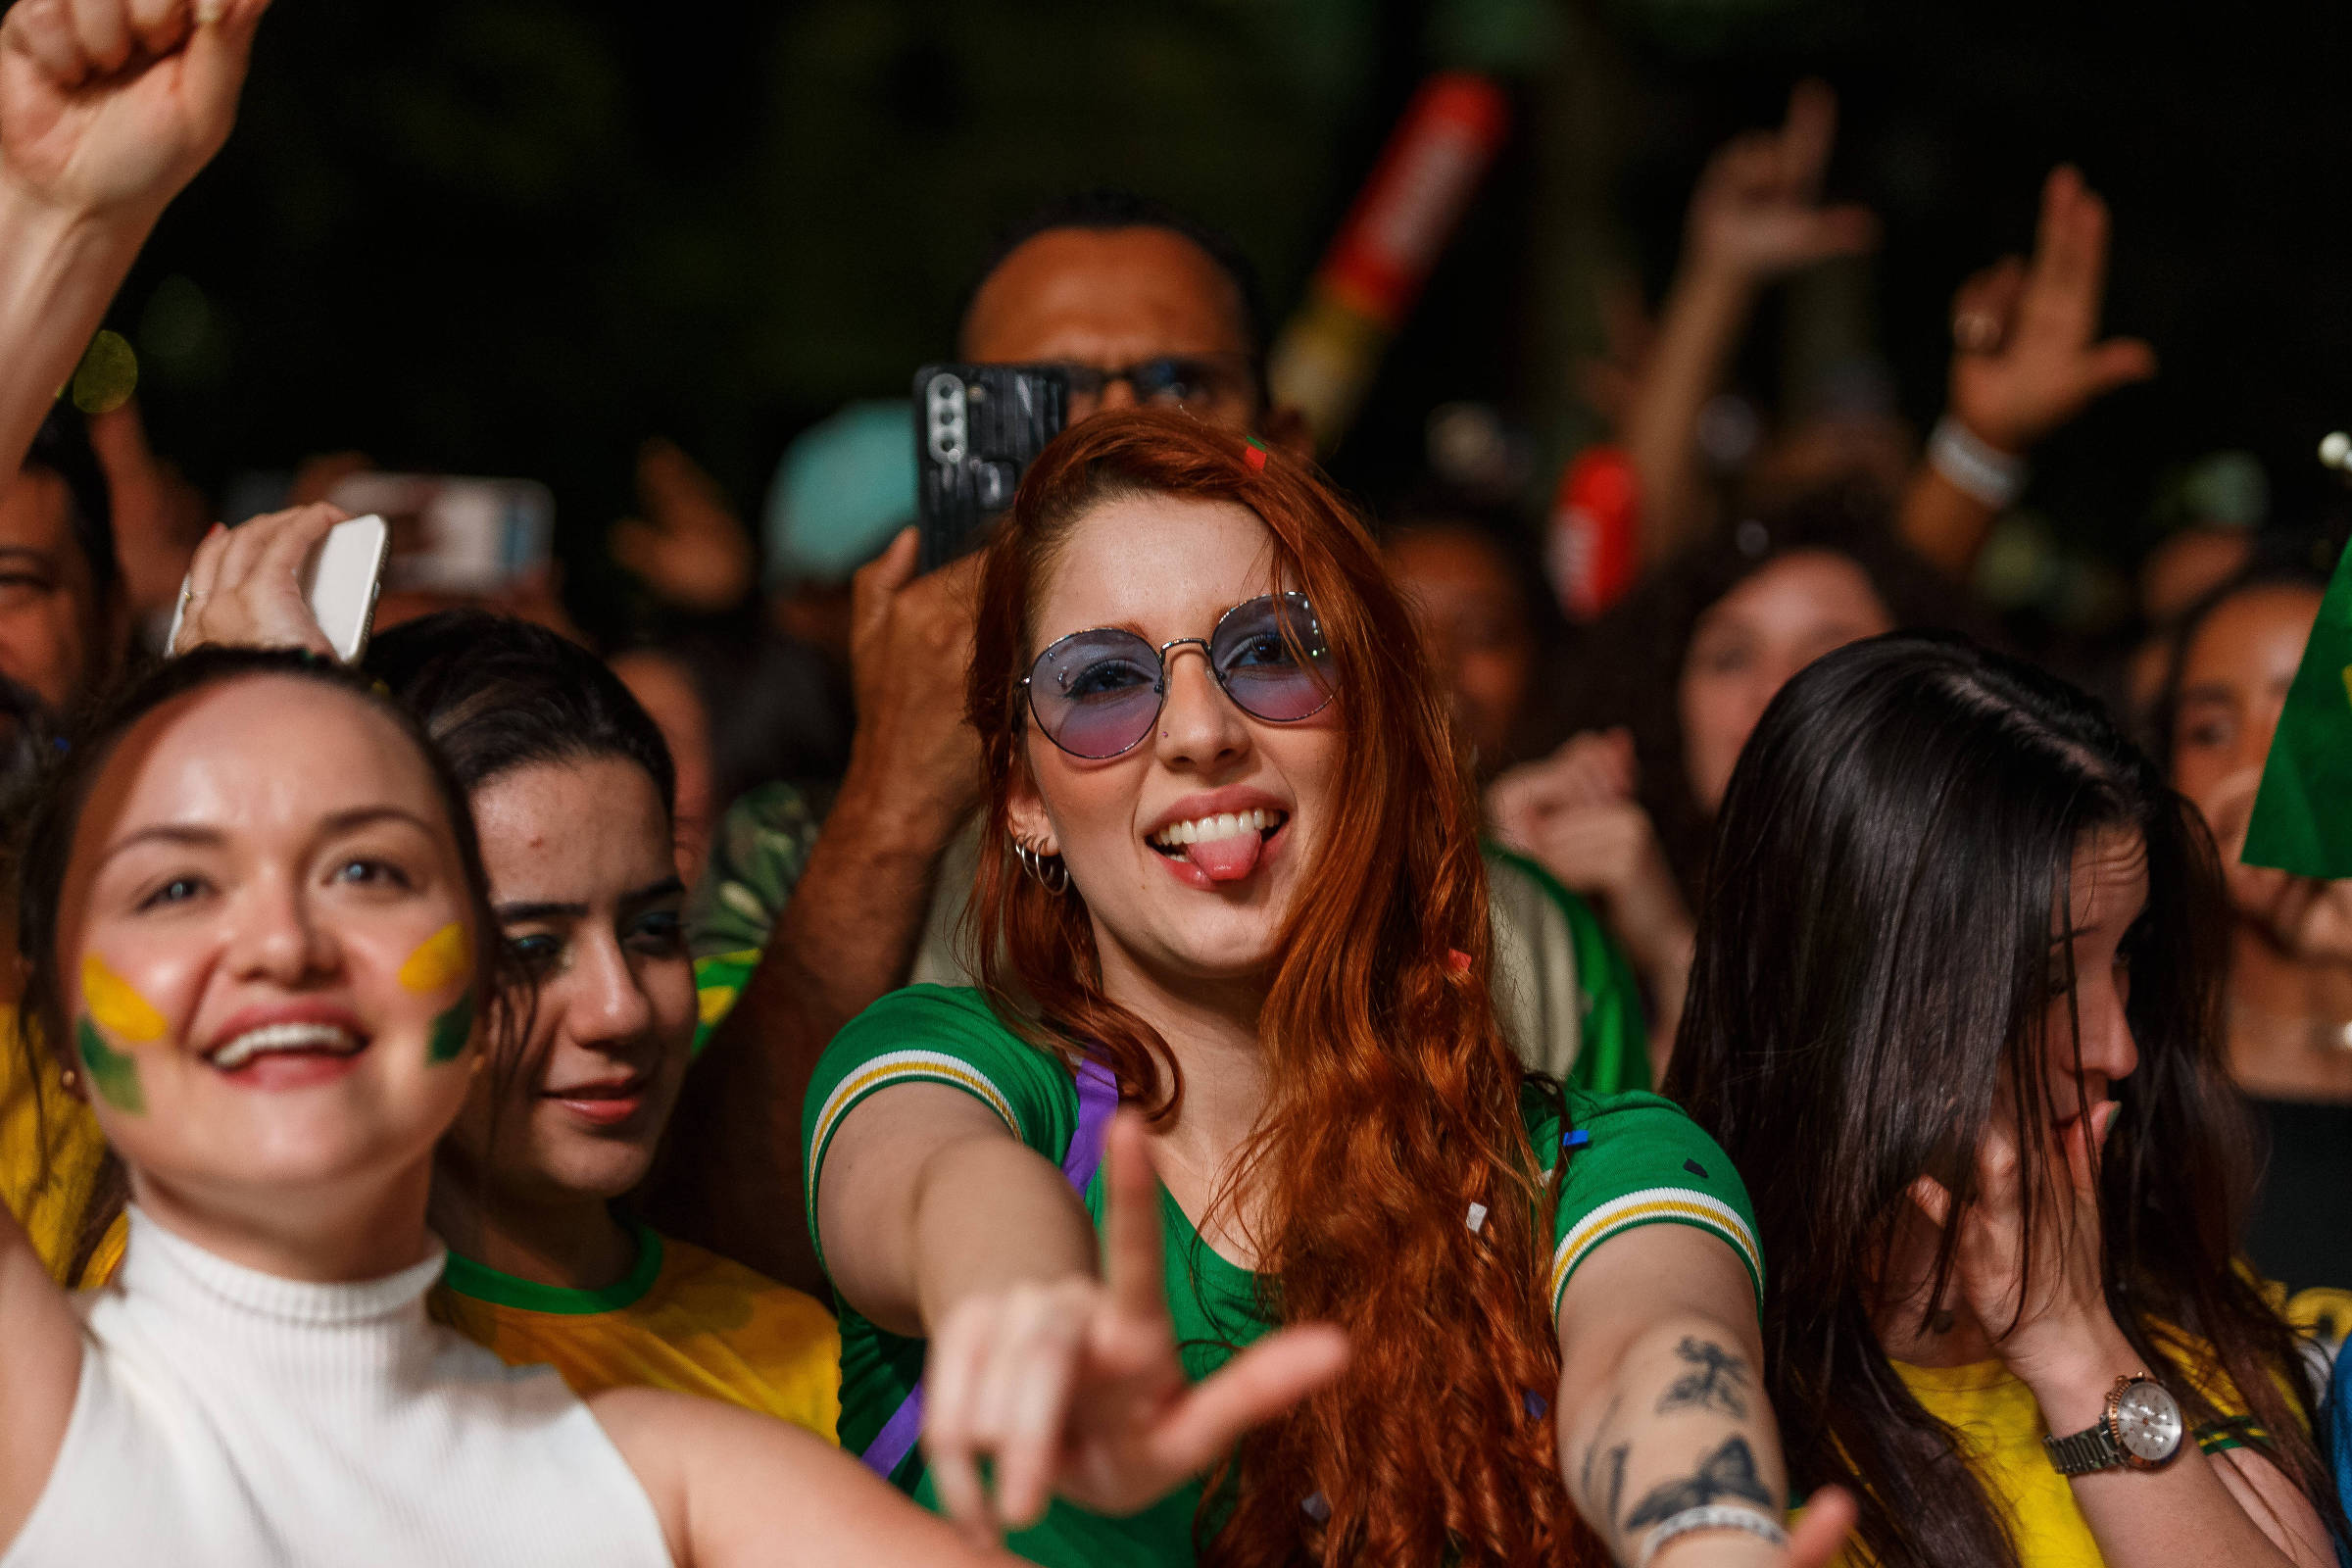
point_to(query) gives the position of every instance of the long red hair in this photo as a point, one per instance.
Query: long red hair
(1393, 1102)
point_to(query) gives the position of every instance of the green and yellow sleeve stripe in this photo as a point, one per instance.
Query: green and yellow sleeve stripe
(897, 1067)
(1655, 1205)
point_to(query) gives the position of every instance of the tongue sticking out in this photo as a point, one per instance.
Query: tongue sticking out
(1227, 860)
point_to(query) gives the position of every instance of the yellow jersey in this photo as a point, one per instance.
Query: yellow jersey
(2001, 1428)
(51, 1153)
(684, 1319)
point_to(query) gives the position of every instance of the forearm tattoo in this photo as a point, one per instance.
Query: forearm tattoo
(1720, 1383)
(1729, 1472)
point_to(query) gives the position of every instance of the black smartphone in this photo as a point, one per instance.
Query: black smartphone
(976, 430)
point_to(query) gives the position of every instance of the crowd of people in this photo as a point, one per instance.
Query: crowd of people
(1241, 1036)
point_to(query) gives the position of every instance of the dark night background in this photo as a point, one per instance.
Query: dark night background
(519, 236)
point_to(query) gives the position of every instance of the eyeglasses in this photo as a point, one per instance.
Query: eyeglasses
(1097, 693)
(1177, 380)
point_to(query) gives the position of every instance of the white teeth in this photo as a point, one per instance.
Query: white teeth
(1223, 825)
(283, 1037)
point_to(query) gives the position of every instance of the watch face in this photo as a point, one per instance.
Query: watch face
(2147, 1422)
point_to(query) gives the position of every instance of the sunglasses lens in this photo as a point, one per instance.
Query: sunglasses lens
(1271, 656)
(1095, 693)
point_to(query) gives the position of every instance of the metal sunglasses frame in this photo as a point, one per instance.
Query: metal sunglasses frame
(1160, 686)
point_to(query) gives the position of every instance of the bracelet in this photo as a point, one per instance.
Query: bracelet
(1712, 1516)
(1982, 472)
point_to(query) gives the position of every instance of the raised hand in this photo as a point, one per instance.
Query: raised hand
(690, 547)
(245, 585)
(2025, 357)
(112, 105)
(1757, 211)
(1074, 1389)
(2043, 1321)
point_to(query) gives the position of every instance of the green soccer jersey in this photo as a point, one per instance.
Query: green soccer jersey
(1639, 1161)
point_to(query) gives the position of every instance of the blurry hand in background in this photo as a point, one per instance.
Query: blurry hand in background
(158, 515)
(1575, 814)
(690, 547)
(911, 646)
(2025, 351)
(1757, 212)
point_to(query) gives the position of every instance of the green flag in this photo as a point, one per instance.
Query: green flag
(2303, 815)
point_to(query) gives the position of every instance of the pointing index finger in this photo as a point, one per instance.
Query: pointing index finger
(1134, 1270)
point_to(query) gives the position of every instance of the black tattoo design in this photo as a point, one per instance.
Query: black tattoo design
(1616, 1478)
(1600, 1431)
(1729, 1472)
(1717, 1384)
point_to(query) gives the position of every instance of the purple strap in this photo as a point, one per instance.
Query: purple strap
(1098, 1101)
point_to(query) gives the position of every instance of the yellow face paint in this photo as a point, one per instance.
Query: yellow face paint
(116, 1008)
(445, 957)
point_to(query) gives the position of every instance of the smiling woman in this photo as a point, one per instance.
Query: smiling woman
(1235, 880)
(256, 940)
(571, 784)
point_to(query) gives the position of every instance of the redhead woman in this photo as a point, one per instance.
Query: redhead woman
(270, 961)
(1234, 884)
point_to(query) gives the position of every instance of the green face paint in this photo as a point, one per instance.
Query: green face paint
(114, 1074)
(451, 1031)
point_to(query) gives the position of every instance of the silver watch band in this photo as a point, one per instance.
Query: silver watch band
(2082, 1453)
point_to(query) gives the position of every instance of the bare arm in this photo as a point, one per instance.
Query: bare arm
(1661, 1406)
(2024, 362)
(734, 1489)
(1754, 216)
(856, 918)
(107, 109)
(40, 1371)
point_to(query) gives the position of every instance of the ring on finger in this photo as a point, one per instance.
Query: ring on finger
(1975, 332)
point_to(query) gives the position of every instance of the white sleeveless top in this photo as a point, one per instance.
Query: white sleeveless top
(231, 1419)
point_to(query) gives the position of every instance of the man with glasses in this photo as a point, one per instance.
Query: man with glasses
(1139, 305)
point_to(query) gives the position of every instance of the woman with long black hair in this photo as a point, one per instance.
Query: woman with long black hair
(1953, 1016)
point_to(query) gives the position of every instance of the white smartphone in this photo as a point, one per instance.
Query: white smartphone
(339, 582)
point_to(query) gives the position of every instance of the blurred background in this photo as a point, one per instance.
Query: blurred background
(523, 236)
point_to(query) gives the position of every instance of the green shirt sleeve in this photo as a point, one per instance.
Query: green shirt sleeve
(937, 1035)
(1641, 1162)
(1613, 1041)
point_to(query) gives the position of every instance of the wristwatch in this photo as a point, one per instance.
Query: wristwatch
(2140, 1429)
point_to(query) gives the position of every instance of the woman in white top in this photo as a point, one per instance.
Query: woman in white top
(252, 904)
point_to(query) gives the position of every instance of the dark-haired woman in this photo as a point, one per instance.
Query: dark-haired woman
(1953, 1016)
(569, 784)
(1688, 663)
(1232, 875)
(2289, 995)
(252, 905)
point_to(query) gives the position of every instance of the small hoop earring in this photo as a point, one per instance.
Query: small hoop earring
(1050, 871)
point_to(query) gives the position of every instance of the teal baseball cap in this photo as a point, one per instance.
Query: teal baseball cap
(846, 486)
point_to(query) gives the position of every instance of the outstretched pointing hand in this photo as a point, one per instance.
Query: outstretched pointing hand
(1074, 1389)
(112, 105)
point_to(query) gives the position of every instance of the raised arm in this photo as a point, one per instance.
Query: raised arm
(936, 1222)
(108, 108)
(2026, 361)
(852, 928)
(1661, 1408)
(1755, 216)
(41, 1370)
